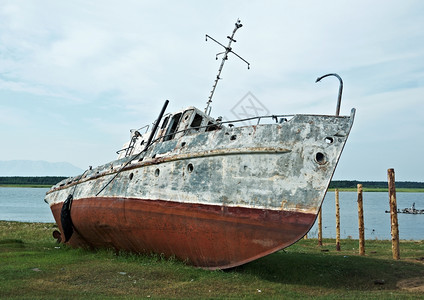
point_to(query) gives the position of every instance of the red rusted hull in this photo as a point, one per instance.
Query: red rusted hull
(207, 236)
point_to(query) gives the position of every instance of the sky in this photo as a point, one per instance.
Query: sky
(76, 76)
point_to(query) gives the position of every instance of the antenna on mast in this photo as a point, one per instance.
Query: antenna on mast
(224, 58)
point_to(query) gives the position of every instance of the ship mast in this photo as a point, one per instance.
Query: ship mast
(224, 58)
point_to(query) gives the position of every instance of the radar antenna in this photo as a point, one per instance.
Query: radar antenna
(224, 58)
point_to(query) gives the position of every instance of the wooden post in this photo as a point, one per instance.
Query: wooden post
(361, 221)
(393, 213)
(320, 227)
(337, 221)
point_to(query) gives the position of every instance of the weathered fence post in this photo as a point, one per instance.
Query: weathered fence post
(393, 213)
(320, 227)
(337, 221)
(361, 221)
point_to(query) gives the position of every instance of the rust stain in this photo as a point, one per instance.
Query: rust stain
(184, 230)
(201, 184)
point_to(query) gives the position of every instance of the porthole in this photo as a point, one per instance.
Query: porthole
(320, 158)
(329, 140)
(190, 168)
(131, 176)
(157, 172)
(183, 144)
(233, 137)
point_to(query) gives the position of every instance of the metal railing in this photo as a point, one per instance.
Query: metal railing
(132, 146)
(218, 125)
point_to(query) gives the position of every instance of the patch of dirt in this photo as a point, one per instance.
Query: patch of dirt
(415, 284)
(419, 260)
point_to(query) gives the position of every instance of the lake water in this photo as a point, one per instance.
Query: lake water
(376, 221)
(24, 205)
(27, 205)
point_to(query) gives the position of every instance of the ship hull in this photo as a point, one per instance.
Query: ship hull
(216, 199)
(210, 236)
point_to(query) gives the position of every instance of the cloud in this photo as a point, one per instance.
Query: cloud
(12, 118)
(101, 66)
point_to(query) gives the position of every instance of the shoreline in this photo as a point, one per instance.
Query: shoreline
(382, 190)
(24, 186)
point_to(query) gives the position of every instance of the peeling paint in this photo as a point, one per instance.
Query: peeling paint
(267, 170)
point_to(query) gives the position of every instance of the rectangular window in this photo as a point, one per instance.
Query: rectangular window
(197, 121)
(165, 122)
(172, 127)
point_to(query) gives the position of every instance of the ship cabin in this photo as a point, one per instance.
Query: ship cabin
(185, 122)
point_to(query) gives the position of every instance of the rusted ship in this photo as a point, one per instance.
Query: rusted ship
(214, 194)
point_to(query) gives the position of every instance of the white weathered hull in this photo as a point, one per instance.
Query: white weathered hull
(280, 168)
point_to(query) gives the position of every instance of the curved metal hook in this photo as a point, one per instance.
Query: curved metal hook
(339, 99)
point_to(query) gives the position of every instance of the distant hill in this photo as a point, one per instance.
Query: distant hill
(37, 168)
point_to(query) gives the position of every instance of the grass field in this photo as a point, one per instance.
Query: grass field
(33, 266)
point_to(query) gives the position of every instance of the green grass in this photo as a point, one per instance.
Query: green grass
(365, 189)
(27, 185)
(33, 266)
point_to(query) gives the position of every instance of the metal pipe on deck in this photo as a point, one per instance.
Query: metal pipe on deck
(339, 98)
